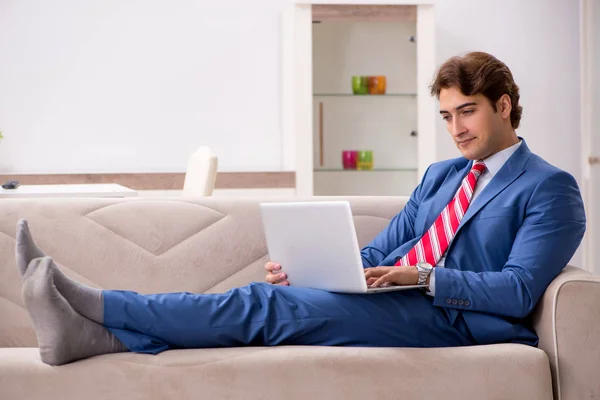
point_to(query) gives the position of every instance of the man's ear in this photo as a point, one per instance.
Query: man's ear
(504, 106)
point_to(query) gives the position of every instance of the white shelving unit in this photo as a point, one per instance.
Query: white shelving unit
(385, 124)
(321, 116)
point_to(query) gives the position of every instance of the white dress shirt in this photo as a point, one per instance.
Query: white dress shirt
(493, 164)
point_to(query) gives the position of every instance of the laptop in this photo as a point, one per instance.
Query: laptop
(316, 245)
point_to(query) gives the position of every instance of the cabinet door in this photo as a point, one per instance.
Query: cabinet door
(385, 124)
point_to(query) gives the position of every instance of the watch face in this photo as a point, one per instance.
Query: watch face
(424, 266)
(424, 270)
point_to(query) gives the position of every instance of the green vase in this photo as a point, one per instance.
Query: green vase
(364, 160)
(360, 84)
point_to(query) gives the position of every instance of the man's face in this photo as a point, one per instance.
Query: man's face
(476, 129)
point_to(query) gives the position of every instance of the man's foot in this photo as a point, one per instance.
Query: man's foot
(85, 300)
(26, 249)
(63, 335)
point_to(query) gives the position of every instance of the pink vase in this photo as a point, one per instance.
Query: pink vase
(349, 159)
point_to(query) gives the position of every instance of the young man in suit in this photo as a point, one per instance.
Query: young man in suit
(487, 232)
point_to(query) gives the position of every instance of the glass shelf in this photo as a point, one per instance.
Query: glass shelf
(364, 95)
(366, 170)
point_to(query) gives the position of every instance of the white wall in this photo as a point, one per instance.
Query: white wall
(595, 74)
(539, 41)
(590, 101)
(135, 86)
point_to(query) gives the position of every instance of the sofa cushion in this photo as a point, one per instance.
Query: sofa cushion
(506, 371)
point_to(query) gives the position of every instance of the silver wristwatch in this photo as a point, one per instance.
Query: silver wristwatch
(424, 270)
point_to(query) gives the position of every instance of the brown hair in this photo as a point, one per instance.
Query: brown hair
(483, 73)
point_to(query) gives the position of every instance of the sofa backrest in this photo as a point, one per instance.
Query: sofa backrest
(202, 245)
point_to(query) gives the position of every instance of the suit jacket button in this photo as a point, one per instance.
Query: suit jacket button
(448, 300)
(461, 302)
(467, 303)
(454, 302)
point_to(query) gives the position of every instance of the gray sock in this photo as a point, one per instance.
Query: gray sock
(85, 300)
(26, 249)
(63, 335)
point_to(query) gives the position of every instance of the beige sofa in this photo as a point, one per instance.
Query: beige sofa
(213, 244)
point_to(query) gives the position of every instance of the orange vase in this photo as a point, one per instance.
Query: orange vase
(377, 84)
(372, 84)
(381, 84)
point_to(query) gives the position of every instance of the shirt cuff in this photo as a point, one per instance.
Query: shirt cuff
(431, 288)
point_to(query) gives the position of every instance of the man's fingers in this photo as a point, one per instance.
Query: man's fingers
(376, 272)
(385, 278)
(375, 268)
(272, 266)
(269, 266)
(370, 273)
(276, 278)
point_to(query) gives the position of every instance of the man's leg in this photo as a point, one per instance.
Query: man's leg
(263, 314)
(258, 314)
(85, 300)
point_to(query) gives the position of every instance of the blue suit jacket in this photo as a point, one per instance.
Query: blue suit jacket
(515, 238)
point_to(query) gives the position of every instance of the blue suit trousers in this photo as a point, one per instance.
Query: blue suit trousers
(261, 314)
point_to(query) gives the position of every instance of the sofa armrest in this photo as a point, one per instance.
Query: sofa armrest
(567, 322)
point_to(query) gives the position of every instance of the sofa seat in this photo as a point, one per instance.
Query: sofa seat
(503, 371)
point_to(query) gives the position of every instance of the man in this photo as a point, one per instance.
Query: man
(487, 232)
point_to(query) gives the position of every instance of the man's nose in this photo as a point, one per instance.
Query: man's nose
(457, 128)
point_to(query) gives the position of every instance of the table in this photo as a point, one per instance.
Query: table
(78, 190)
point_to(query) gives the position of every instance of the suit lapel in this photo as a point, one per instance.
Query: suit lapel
(510, 171)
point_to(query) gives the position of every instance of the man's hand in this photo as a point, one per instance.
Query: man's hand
(274, 274)
(377, 276)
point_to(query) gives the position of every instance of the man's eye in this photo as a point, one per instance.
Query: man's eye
(446, 118)
(467, 112)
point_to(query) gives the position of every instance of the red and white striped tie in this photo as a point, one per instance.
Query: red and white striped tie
(435, 241)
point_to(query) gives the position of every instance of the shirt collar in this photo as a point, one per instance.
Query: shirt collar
(497, 160)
